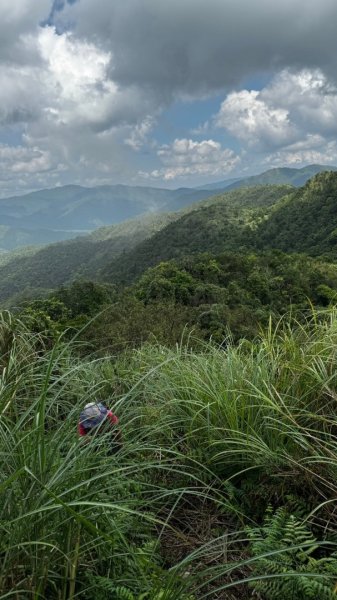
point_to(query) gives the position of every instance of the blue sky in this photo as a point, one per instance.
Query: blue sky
(163, 94)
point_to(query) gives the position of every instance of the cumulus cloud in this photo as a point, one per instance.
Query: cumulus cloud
(294, 113)
(251, 119)
(87, 91)
(69, 84)
(75, 79)
(22, 161)
(309, 97)
(313, 150)
(186, 157)
(69, 108)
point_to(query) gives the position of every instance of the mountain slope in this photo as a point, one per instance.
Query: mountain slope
(261, 217)
(61, 213)
(51, 266)
(77, 208)
(12, 238)
(215, 225)
(279, 176)
(305, 221)
(110, 253)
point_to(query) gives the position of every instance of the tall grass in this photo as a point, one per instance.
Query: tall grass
(257, 404)
(210, 436)
(71, 512)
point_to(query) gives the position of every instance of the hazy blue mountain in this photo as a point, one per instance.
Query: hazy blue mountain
(284, 175)
(11, 238)
(279, 176)
(219, 185)
(61, 213)
(78, 208)
(120, 251)
(30, 271)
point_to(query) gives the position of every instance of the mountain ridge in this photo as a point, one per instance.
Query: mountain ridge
(247, 219)
(280, 175)
(89, 256)
(68, 210)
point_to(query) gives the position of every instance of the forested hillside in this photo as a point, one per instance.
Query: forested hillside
(262, 217)
(248, 219)
(225, 222)
(91, 256)
(33, 271)
(52, 215)
(213, 295)
(220, 362)
(305, 221)
(282, 175)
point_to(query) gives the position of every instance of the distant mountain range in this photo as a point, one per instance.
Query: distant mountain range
(241, 220)
(27, 271)
(278, 176)
(66, 211)
(121, 252)
(254, 219)
(221, 223)
(48, 216)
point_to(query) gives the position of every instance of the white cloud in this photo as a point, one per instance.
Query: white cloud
(293, 118)
(247, 116)
(75, 67)
(78, 90)
(87, 96)
(308, 96)
(313, 150)
(21, 161)
(185, 157)
(75, 80)
(69, 85)
(139, 134)
(70, 109)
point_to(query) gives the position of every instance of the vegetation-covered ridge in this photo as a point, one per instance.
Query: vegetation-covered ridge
(34, 271)
(225, 484)
(91, 256)
(224, 222)
(209, 293)
(262, 217)
(52, 215)
(282, 175)
(305, 221)
(63, 211)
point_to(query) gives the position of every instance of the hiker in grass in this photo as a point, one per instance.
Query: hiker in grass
(96, 418)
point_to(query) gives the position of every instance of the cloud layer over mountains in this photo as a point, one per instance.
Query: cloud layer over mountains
(86, 86)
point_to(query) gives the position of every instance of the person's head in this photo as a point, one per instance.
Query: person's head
(93, 415)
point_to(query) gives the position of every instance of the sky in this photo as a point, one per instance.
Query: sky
(163, 93)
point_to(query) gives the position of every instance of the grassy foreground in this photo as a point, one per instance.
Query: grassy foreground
(226, 484)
